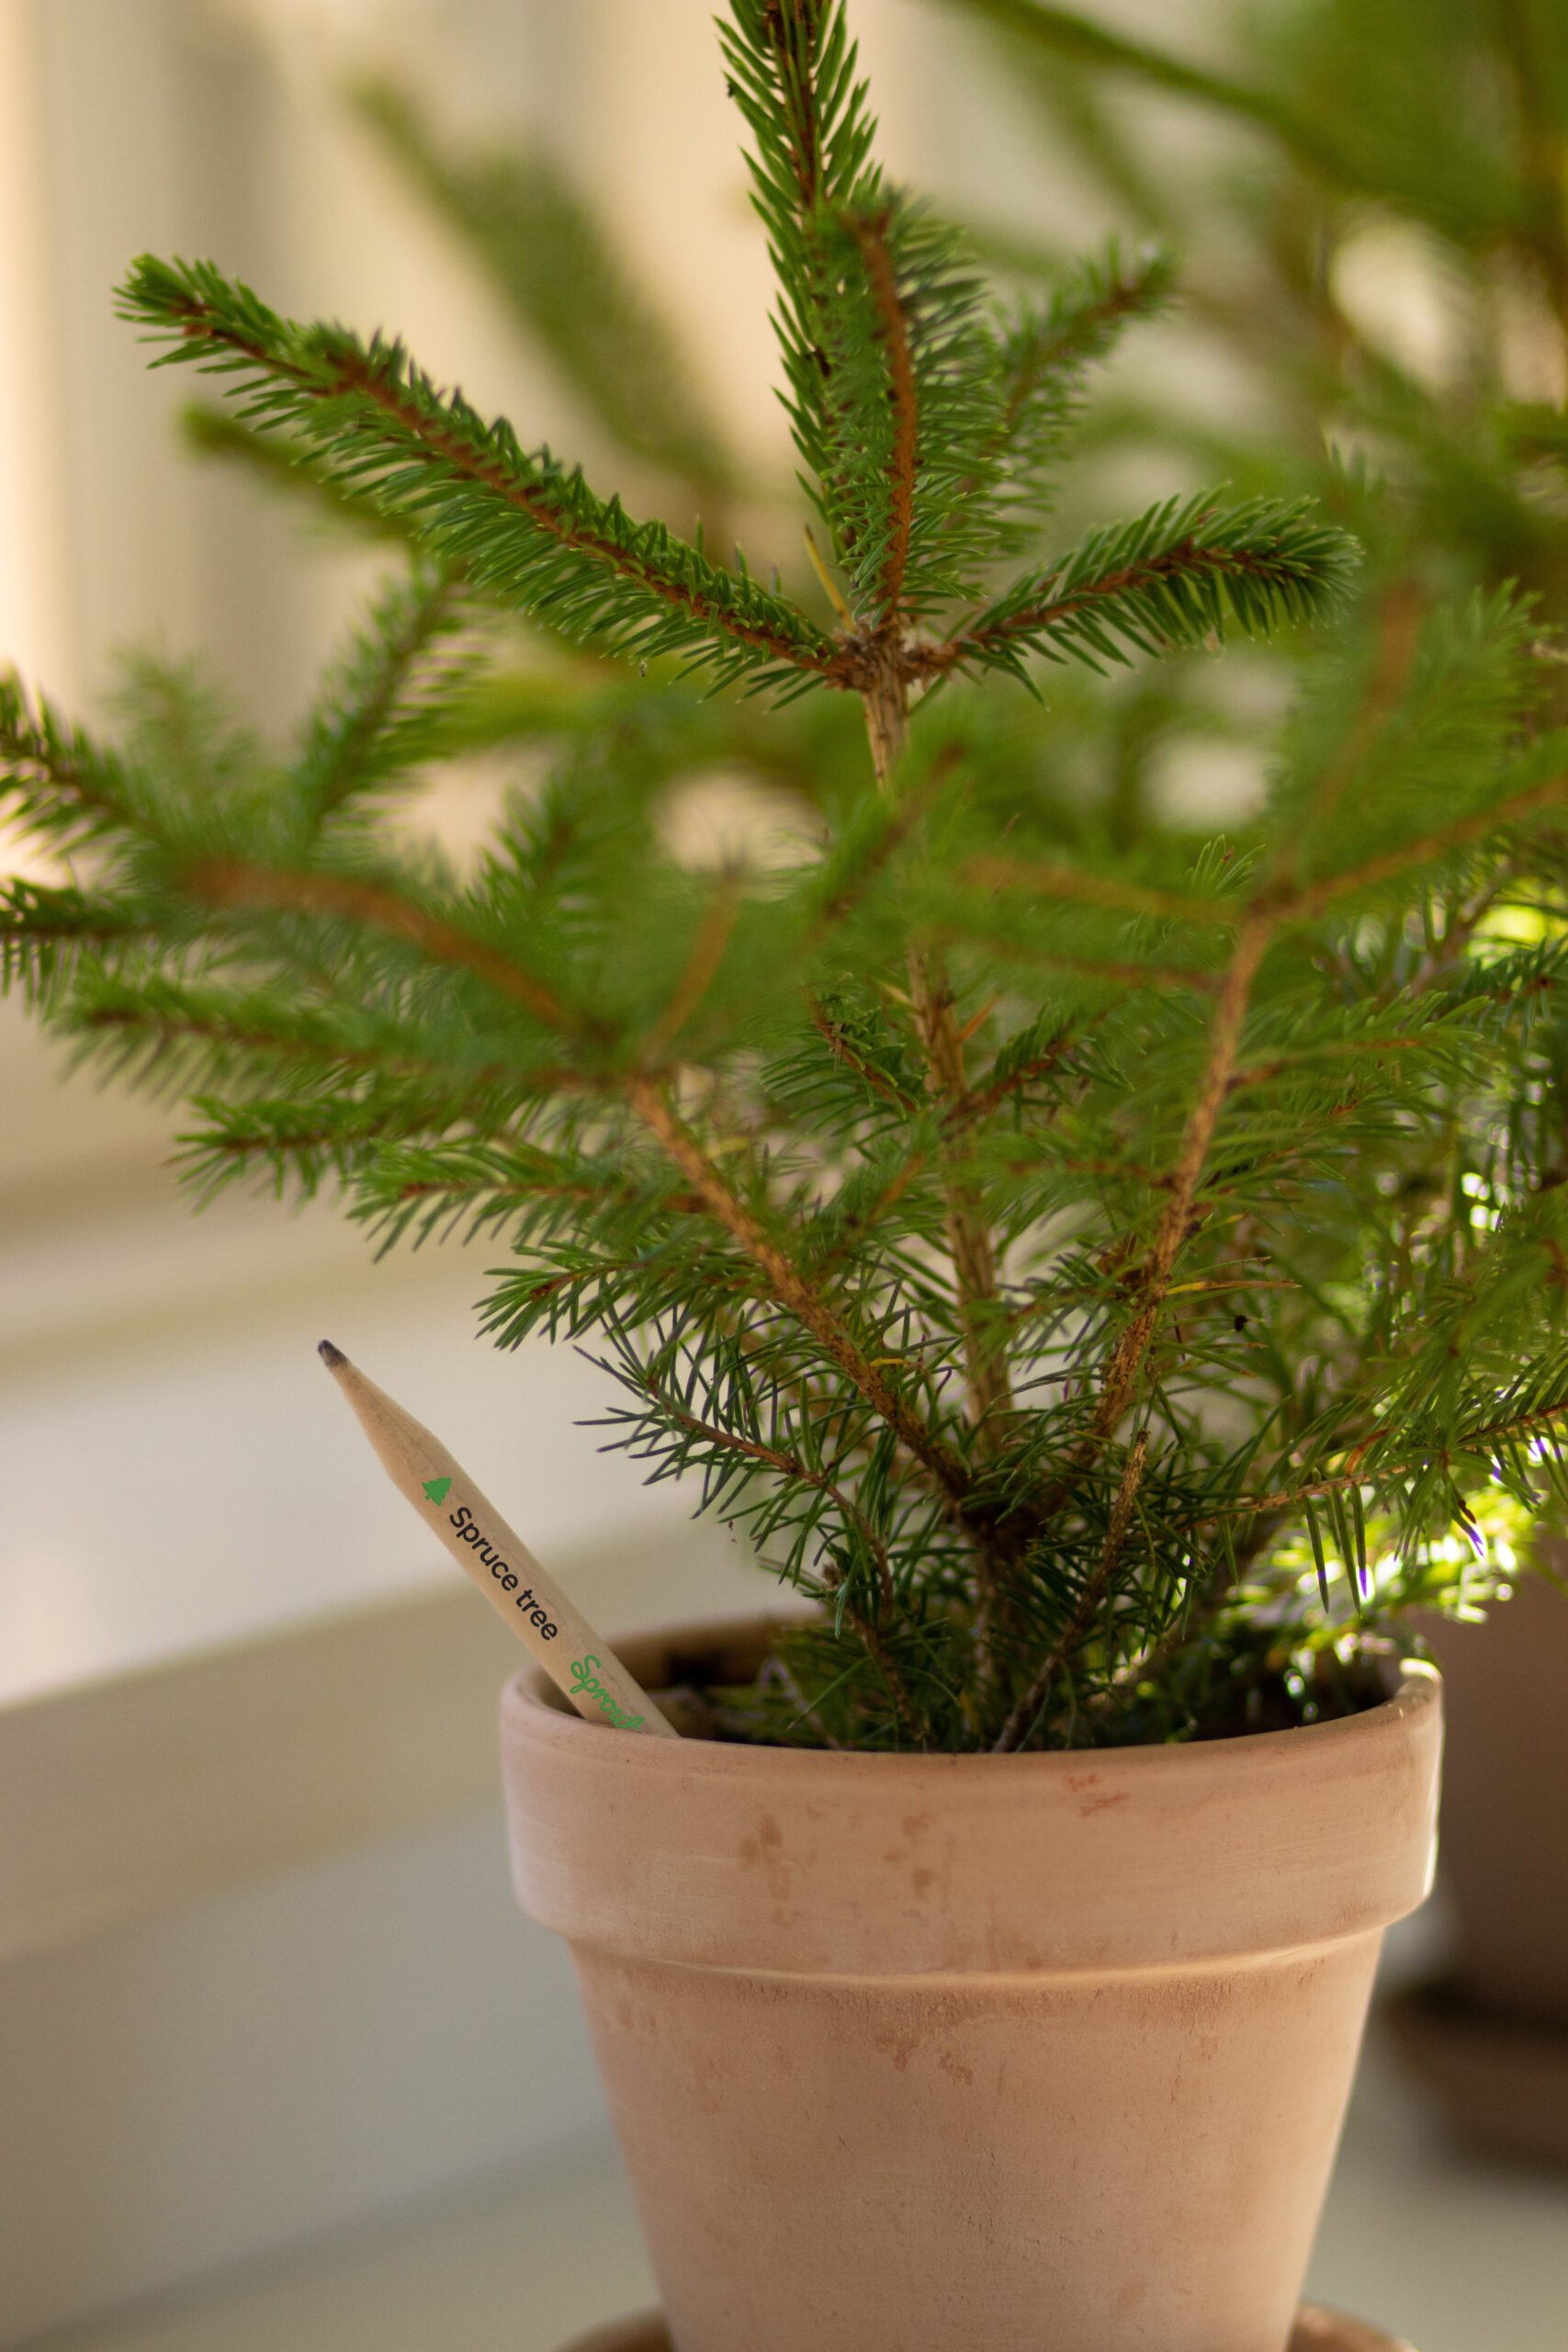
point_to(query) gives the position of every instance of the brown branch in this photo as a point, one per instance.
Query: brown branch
(794, 1294)
(1225, 1039)
(1023, 1717)
(707, 954)
(788, 1465)
(357, 373)
(1096, 890)
(1399, 615)
(866, 1072)
(1084, 967)
(1304, 906)
(979, 1102)
(1260, 1073)
(227, 882)
(871, 236)
(1182, 561)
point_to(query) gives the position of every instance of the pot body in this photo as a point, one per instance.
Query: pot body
(916, 2054)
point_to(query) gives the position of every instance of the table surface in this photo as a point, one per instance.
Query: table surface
(1455, 2255)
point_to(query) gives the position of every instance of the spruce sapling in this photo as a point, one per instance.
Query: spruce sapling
(960, 1202)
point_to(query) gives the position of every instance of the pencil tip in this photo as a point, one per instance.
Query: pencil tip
(332, 1357)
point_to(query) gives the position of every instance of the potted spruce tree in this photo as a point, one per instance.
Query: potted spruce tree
(988, 1963)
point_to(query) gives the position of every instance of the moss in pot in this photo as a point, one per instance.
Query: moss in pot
(964, 1200)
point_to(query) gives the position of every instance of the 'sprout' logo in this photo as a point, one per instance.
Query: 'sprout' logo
(435, 1489)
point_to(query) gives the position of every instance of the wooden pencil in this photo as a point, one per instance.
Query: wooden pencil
(572, 1654)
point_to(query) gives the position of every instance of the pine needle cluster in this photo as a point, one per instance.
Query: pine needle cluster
(1025, 1236)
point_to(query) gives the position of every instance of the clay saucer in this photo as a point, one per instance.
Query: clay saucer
(1315, 2331)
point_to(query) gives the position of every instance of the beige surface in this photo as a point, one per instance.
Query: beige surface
(295, 2056)
(167, 1787)
(517, 2265)
(1451, 2255)
(160, 1789)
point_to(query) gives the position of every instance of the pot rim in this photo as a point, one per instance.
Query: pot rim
(548, 1716)
(847, 1862)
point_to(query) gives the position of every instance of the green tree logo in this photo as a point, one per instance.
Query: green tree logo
(435, 1489)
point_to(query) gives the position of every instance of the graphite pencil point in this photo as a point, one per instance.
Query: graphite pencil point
(332, 1357)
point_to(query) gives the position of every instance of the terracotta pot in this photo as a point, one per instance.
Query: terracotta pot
(1492, 2039)
(1038, 2053)
(1315, 2331)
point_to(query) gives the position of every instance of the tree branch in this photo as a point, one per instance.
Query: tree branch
(871, 236)
(1187, 560)
(979, 1102)
(35, 746)
(1123, 975)
(376, 379)
(1098, 889)
(794, 1294)
(1287, 1500)
(335, 761)
(843, 1051)
(1023, 1717)
(1225, 1039)
(702, 965)
(228, 882)
(788, 1465)
(268, 1041)
(1399, 633)
(1304, 906)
